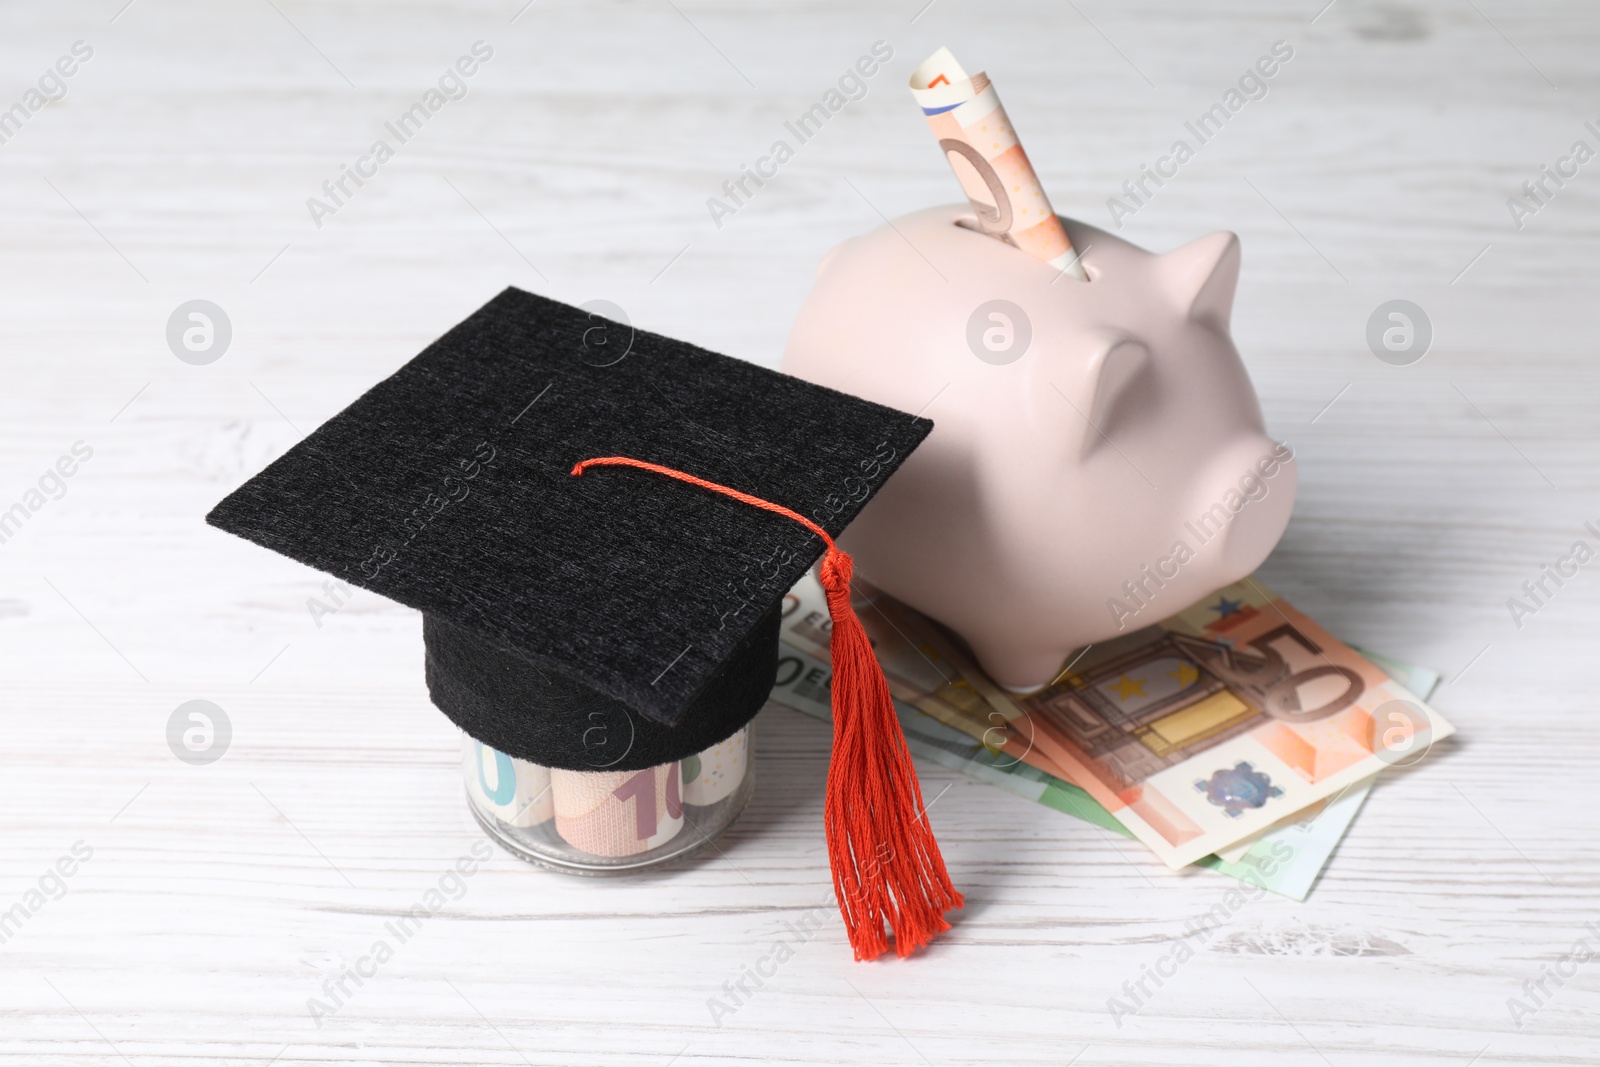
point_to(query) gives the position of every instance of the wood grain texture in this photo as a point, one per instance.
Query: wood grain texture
(219, 899)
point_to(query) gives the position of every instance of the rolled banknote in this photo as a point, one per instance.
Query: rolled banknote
(618, 813)
(978, 139)
(714, 774)
(514, 791)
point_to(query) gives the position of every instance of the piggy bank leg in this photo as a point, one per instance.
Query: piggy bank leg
(1015, 665)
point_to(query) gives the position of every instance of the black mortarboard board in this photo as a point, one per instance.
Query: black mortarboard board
(549, 599)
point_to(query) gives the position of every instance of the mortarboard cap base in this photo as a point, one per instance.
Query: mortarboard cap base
(536, 714)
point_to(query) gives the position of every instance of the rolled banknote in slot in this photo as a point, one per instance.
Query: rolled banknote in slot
(618, 813)
(981, 145)
(513, 791)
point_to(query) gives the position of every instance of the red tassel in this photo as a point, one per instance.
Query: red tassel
(886, 863)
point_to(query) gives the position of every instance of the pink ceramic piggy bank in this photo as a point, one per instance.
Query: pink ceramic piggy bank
(1098, 459)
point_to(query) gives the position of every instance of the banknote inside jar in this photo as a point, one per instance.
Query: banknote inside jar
(603, 820)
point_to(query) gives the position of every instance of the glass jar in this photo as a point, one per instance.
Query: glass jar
(608, 822)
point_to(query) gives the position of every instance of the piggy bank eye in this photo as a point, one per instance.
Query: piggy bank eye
(1120, 392)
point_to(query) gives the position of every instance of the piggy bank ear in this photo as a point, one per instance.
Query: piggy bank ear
(1202, 275)
(1119, 370)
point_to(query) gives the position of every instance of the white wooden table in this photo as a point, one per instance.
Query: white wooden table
(217, 900)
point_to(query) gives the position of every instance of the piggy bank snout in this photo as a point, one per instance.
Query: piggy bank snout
(1248, 496)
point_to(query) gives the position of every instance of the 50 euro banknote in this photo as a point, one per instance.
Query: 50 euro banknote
(966, 115)
(1285, 859)
(1195, 733)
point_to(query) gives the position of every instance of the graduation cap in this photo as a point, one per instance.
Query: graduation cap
(600, 522)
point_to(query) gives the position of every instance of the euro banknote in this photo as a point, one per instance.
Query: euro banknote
(1421, 681)
(1285, 860)
(989, 161)
(1209, 726)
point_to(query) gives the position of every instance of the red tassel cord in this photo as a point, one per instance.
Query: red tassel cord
(887, 869)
